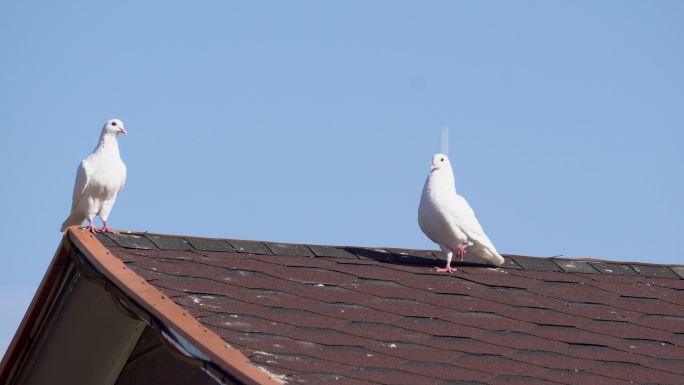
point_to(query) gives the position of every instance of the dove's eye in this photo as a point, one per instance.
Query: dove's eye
(441, 160)
(114, 124)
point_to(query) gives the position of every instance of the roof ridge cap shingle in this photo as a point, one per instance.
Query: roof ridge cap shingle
(399, 255)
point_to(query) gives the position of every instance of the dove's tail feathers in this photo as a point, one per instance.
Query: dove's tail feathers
(493, 257)
(74, 219)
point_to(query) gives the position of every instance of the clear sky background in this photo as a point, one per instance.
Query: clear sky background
(316, 122)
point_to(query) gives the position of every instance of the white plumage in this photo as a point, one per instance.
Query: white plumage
(448, 220)
(99, 180)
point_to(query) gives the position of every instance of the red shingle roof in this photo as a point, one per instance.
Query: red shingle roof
(346, 315)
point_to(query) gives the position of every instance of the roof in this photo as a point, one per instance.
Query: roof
(307, 314)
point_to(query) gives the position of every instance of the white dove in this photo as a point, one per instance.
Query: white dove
(99, 180)
(447, 219)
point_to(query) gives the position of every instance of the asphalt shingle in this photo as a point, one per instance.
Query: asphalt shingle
(352, 315)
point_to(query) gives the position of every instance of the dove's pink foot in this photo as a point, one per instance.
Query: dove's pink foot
(447, 269)
(91, 227)
(107, 229)
(460, 252)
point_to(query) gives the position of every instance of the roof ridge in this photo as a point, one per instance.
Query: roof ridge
(150, 240)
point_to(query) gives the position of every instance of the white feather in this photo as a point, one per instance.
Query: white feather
(99, 179)
(448, 220)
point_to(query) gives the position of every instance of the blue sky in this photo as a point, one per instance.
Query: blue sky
(316, 122)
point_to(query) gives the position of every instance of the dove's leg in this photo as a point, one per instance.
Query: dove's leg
(449, 255)
(107, 229)
(91, 227)
(460, 252)
(104, 215)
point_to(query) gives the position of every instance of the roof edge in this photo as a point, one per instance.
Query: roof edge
(156, 303)
(46, 291)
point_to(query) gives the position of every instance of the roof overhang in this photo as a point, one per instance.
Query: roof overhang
(88, 314)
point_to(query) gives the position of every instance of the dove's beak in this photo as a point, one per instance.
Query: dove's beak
(433, 167)
(123, 130)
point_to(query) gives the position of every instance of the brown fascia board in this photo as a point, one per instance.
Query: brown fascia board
(28, 328)
(165, 310)
(147, 297)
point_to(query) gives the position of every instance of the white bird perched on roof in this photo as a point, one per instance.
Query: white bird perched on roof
(447, 219)
(99, 180)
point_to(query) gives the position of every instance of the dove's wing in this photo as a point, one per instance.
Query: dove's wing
(80, 185)
(123, 180)
(76, 216)
(463, 217)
